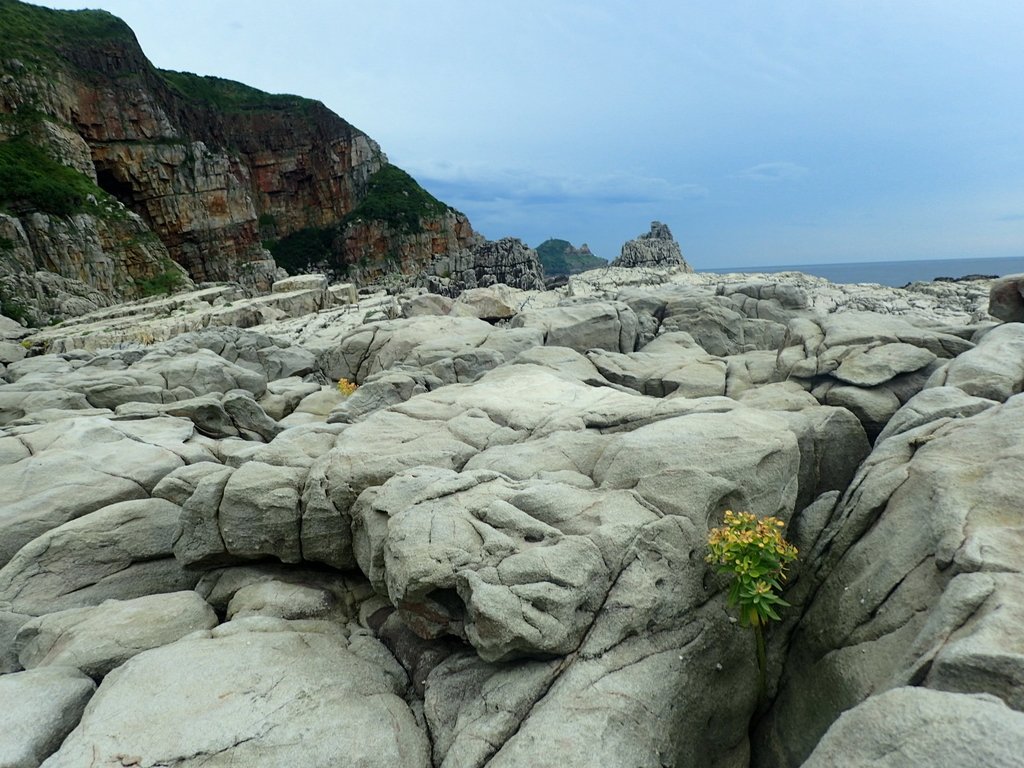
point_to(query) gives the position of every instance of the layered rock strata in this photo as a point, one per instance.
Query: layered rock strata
(508, 261)
(212, 171)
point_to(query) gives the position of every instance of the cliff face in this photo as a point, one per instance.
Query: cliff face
(217, 170)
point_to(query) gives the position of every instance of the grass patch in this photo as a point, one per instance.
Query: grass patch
(32, 180)
(228, 95)
(299, 250)
(394, 197)
(164, 283)
(40, 35)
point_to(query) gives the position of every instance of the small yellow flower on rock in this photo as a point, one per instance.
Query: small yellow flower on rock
(347, 387)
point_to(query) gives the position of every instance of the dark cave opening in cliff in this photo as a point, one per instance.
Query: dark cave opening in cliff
(109, 183)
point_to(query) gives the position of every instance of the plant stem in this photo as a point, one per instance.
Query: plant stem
(762, 662)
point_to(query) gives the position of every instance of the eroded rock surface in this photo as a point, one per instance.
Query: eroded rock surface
(492, 553)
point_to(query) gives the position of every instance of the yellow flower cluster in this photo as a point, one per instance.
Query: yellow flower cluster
(755, 553)
(347, 387)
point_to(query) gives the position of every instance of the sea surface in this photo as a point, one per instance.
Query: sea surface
(895, 273)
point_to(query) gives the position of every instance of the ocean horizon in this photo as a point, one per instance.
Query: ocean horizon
(892, 273)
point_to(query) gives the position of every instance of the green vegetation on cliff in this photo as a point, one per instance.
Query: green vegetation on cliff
(228, 95)
(163, 282)
(32, 180)
(559, 257)
(50, 59)
(41, 35)
(394, 197)
(304, 248)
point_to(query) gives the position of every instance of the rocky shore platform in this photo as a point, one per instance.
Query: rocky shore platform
(492, 553)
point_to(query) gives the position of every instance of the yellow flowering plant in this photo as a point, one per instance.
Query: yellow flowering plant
(755, 553)
(347, 387)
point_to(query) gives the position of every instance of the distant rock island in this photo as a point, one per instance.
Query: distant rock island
(560, 258)
(656, 248)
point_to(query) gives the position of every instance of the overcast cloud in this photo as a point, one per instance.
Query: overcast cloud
(803, 131)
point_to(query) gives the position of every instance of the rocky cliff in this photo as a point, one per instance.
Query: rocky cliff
(656, 248)
(219, 172)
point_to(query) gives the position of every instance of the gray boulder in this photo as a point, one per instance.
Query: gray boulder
(284, 601)
(426, 304)
(77, 466)
(282, 396)
(932, 404)
(531, 579)
(496, 302)
(452, 348)
(909, 727)
(718, 326)
(672, 363)
(867, 367)
(244, 514)
(200, 372)
(96, 640)
(818, 346)
(1006, 299)
(341, 594)
(249, 418)
(916, 579)
(252, 692)
(381, 390)
(40, 709)
(121, 551)
(993, 370)
(594, 325)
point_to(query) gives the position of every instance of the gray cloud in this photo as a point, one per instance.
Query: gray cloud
(777, 171)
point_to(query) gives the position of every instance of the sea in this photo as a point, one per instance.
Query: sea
(894, 273)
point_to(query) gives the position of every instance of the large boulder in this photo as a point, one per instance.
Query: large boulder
(96, 640)
(1006, 299)
(672, 363)
(993, 370)
(917, 579)
(40, 709)
(69, 468)
(121, 551)
(252, 692)
(865, 361)
(452, 348)
(582, 326)
(916, 726)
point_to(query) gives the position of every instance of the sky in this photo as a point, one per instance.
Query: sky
(763, 132)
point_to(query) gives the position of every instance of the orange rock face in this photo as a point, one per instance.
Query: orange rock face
(212, 166)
